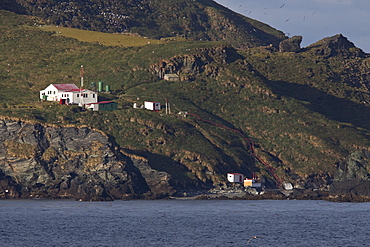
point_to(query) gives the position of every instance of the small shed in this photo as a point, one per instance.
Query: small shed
(235, 177)
(252, 183)
(102, 106)
(171, 77)
(153, 106)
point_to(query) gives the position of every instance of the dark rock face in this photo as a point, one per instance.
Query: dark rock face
(337, 45)
(188, 66)
(67, 162)
(352, 176)
(292, 44)
(12, 5)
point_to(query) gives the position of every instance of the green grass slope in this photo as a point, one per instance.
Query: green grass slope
(196, 20)
(304, 111)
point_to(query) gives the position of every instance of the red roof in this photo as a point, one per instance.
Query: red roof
(235, 173)
(75, 90)
(102, 102)
(65, 86)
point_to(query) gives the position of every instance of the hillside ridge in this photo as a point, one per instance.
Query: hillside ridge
(195, 20)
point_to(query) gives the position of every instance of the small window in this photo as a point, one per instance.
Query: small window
(78, 95)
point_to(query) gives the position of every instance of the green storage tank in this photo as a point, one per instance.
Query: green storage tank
(100, 86)
(107, 88)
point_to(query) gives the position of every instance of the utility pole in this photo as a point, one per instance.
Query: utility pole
(82, 73)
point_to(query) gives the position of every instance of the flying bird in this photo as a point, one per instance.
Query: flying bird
(254, 237)
(282, 5)
(287, 20)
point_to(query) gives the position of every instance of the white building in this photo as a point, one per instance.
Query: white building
(68, 94)
(171, 77)
(153, 106)
(235, 177)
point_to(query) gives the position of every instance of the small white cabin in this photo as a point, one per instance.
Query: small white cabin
(153, 106)
(171, 77)
(235, 177)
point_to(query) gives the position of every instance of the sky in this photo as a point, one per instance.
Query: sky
(312, 19)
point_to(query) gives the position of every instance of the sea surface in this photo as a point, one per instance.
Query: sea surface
(183, 223)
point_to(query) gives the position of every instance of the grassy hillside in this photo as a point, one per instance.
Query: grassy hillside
(105, 39)
(196, 20)
(304, 111)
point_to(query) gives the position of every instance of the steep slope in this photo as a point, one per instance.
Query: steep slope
(196, 20)
(304, 111)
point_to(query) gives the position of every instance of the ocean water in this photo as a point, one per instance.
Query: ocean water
(183, 223)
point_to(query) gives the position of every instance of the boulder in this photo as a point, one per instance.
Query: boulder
(292, 44)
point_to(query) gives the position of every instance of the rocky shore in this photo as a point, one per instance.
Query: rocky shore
(271, 194)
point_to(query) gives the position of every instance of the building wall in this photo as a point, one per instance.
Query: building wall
(50, 92)
(235, 178)
(153, 106)
(103, 107)
(252, 183)
(108, 107)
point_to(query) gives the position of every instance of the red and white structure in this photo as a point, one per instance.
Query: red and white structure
(68, 94)
(252, 182)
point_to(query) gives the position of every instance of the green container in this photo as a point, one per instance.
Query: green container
(107, 88)
(100, 86)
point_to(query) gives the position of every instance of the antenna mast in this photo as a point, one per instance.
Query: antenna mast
(82, 73)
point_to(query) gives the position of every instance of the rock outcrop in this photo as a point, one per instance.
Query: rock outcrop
(39, 161)
(188, 66)
(337, 45)
(352, 176)
(292, 44)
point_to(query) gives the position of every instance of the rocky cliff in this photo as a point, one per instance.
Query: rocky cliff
(204, 60)
(39, 161)
(352, 176)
